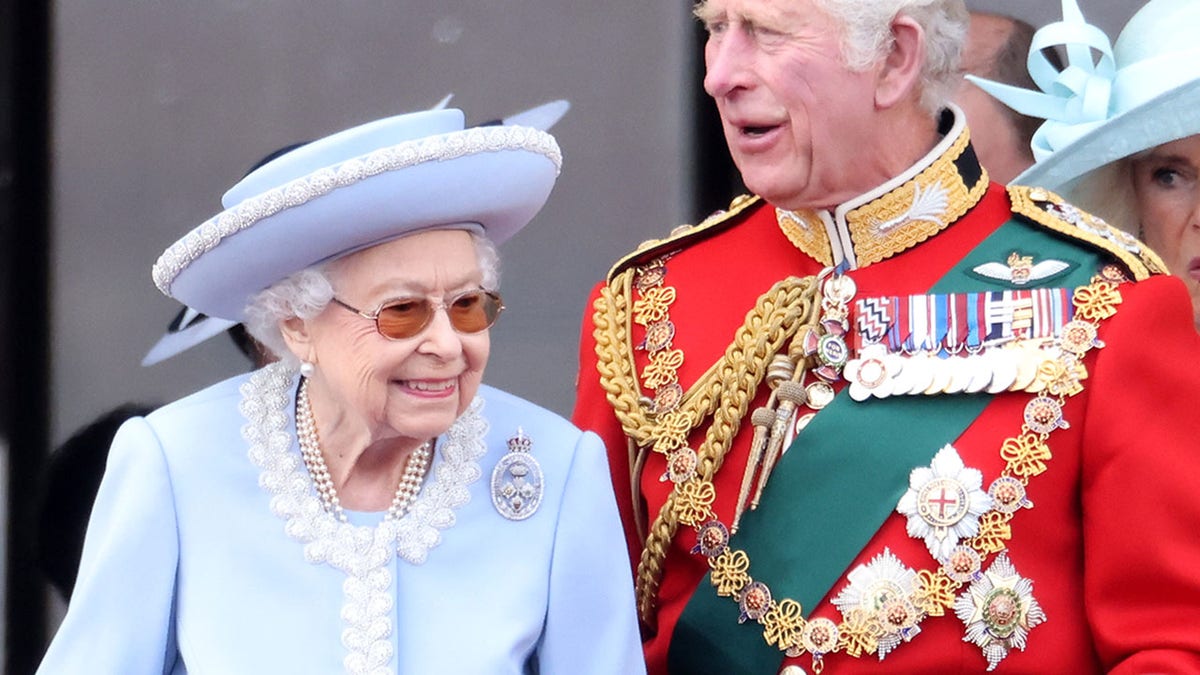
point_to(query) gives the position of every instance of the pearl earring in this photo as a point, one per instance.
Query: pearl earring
(307, 369)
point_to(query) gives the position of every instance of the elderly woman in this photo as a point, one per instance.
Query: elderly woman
(364, 505)
(1122, 136)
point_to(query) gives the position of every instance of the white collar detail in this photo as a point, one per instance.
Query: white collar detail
(363, 553)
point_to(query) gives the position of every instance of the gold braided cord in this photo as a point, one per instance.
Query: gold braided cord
(615, 362)
(611, 321)
(726, 389)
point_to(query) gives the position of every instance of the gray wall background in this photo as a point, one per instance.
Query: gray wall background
(1109, 15)
(160, 105)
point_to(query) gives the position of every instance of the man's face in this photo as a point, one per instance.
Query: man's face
(796, 118)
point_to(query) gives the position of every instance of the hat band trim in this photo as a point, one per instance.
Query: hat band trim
(472, 141)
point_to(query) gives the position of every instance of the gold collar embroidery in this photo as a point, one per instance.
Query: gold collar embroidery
(896, 216)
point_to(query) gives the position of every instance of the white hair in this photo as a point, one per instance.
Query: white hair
(306, 293)
(1108, 192)
(867, 37)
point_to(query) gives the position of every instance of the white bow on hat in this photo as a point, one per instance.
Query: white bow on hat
(1109, 102)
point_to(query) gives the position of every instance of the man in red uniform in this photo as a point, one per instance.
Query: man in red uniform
(886, 415)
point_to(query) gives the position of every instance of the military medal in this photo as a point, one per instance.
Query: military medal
(944, 502)
(1003, 364)
(991, 341)
(754, 600)
(1044, 415)
(1008, 495)
(801, 422)
(881, 590)
(828, 346)
(873, 373)
(999, 610)
(963, 565)
(517, 484)
(820, 637)
(818, 394)
(712, 539)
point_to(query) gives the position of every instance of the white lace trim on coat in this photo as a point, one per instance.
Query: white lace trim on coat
(363, 553)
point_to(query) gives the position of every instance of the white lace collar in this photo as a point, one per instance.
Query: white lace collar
(362, 552)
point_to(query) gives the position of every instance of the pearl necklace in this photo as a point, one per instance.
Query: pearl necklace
(310, 449)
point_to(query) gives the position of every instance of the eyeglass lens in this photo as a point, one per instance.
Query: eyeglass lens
(471, 312)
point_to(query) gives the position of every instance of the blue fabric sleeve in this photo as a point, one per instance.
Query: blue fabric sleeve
(591, 623)
(120, 618)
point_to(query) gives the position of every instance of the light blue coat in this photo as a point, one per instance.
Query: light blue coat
(208, 553)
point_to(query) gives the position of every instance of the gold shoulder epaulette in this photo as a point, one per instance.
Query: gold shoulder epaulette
(683, 235)
(1047, 209)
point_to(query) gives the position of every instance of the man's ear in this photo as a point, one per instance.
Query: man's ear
(900, 73)
(296, 335)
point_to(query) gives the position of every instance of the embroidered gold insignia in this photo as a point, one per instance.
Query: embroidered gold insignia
(1020, 270)
(928, 205)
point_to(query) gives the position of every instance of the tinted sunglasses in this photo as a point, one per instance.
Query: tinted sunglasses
(402, 318)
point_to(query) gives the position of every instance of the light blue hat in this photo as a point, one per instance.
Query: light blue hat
(354, 189)
(1138, 95)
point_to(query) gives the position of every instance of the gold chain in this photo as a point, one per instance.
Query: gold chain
(724, 392)
(1026, 455)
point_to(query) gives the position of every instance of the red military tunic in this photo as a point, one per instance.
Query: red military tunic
(1108, 543)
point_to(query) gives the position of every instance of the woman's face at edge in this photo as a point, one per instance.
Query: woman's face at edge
(1166, 182)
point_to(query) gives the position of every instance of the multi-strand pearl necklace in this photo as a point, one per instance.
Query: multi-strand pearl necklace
(310, 449)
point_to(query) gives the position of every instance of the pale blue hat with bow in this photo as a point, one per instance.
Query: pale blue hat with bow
(1109, 102)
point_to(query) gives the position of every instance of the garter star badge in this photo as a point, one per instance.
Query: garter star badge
(999, 610)
(517, 480)
(944, 502)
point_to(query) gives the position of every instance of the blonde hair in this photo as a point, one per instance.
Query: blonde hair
(1108, 192)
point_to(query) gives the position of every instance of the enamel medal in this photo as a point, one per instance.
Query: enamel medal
(517, 480)
(999, 610)
(944, 502)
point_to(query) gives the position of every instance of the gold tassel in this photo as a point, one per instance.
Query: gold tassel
(762, 419)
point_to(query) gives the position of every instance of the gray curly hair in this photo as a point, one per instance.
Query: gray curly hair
(306, 293)
(867, 37)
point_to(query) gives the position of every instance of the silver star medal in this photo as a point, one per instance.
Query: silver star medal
(999, 610)
(517, 484)
(944, 502)
(883, 590)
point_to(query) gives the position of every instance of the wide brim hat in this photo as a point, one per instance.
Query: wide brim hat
(354, 189)
(1109, 102)
(188, 329)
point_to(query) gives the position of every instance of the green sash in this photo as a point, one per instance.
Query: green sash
(842, 478)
